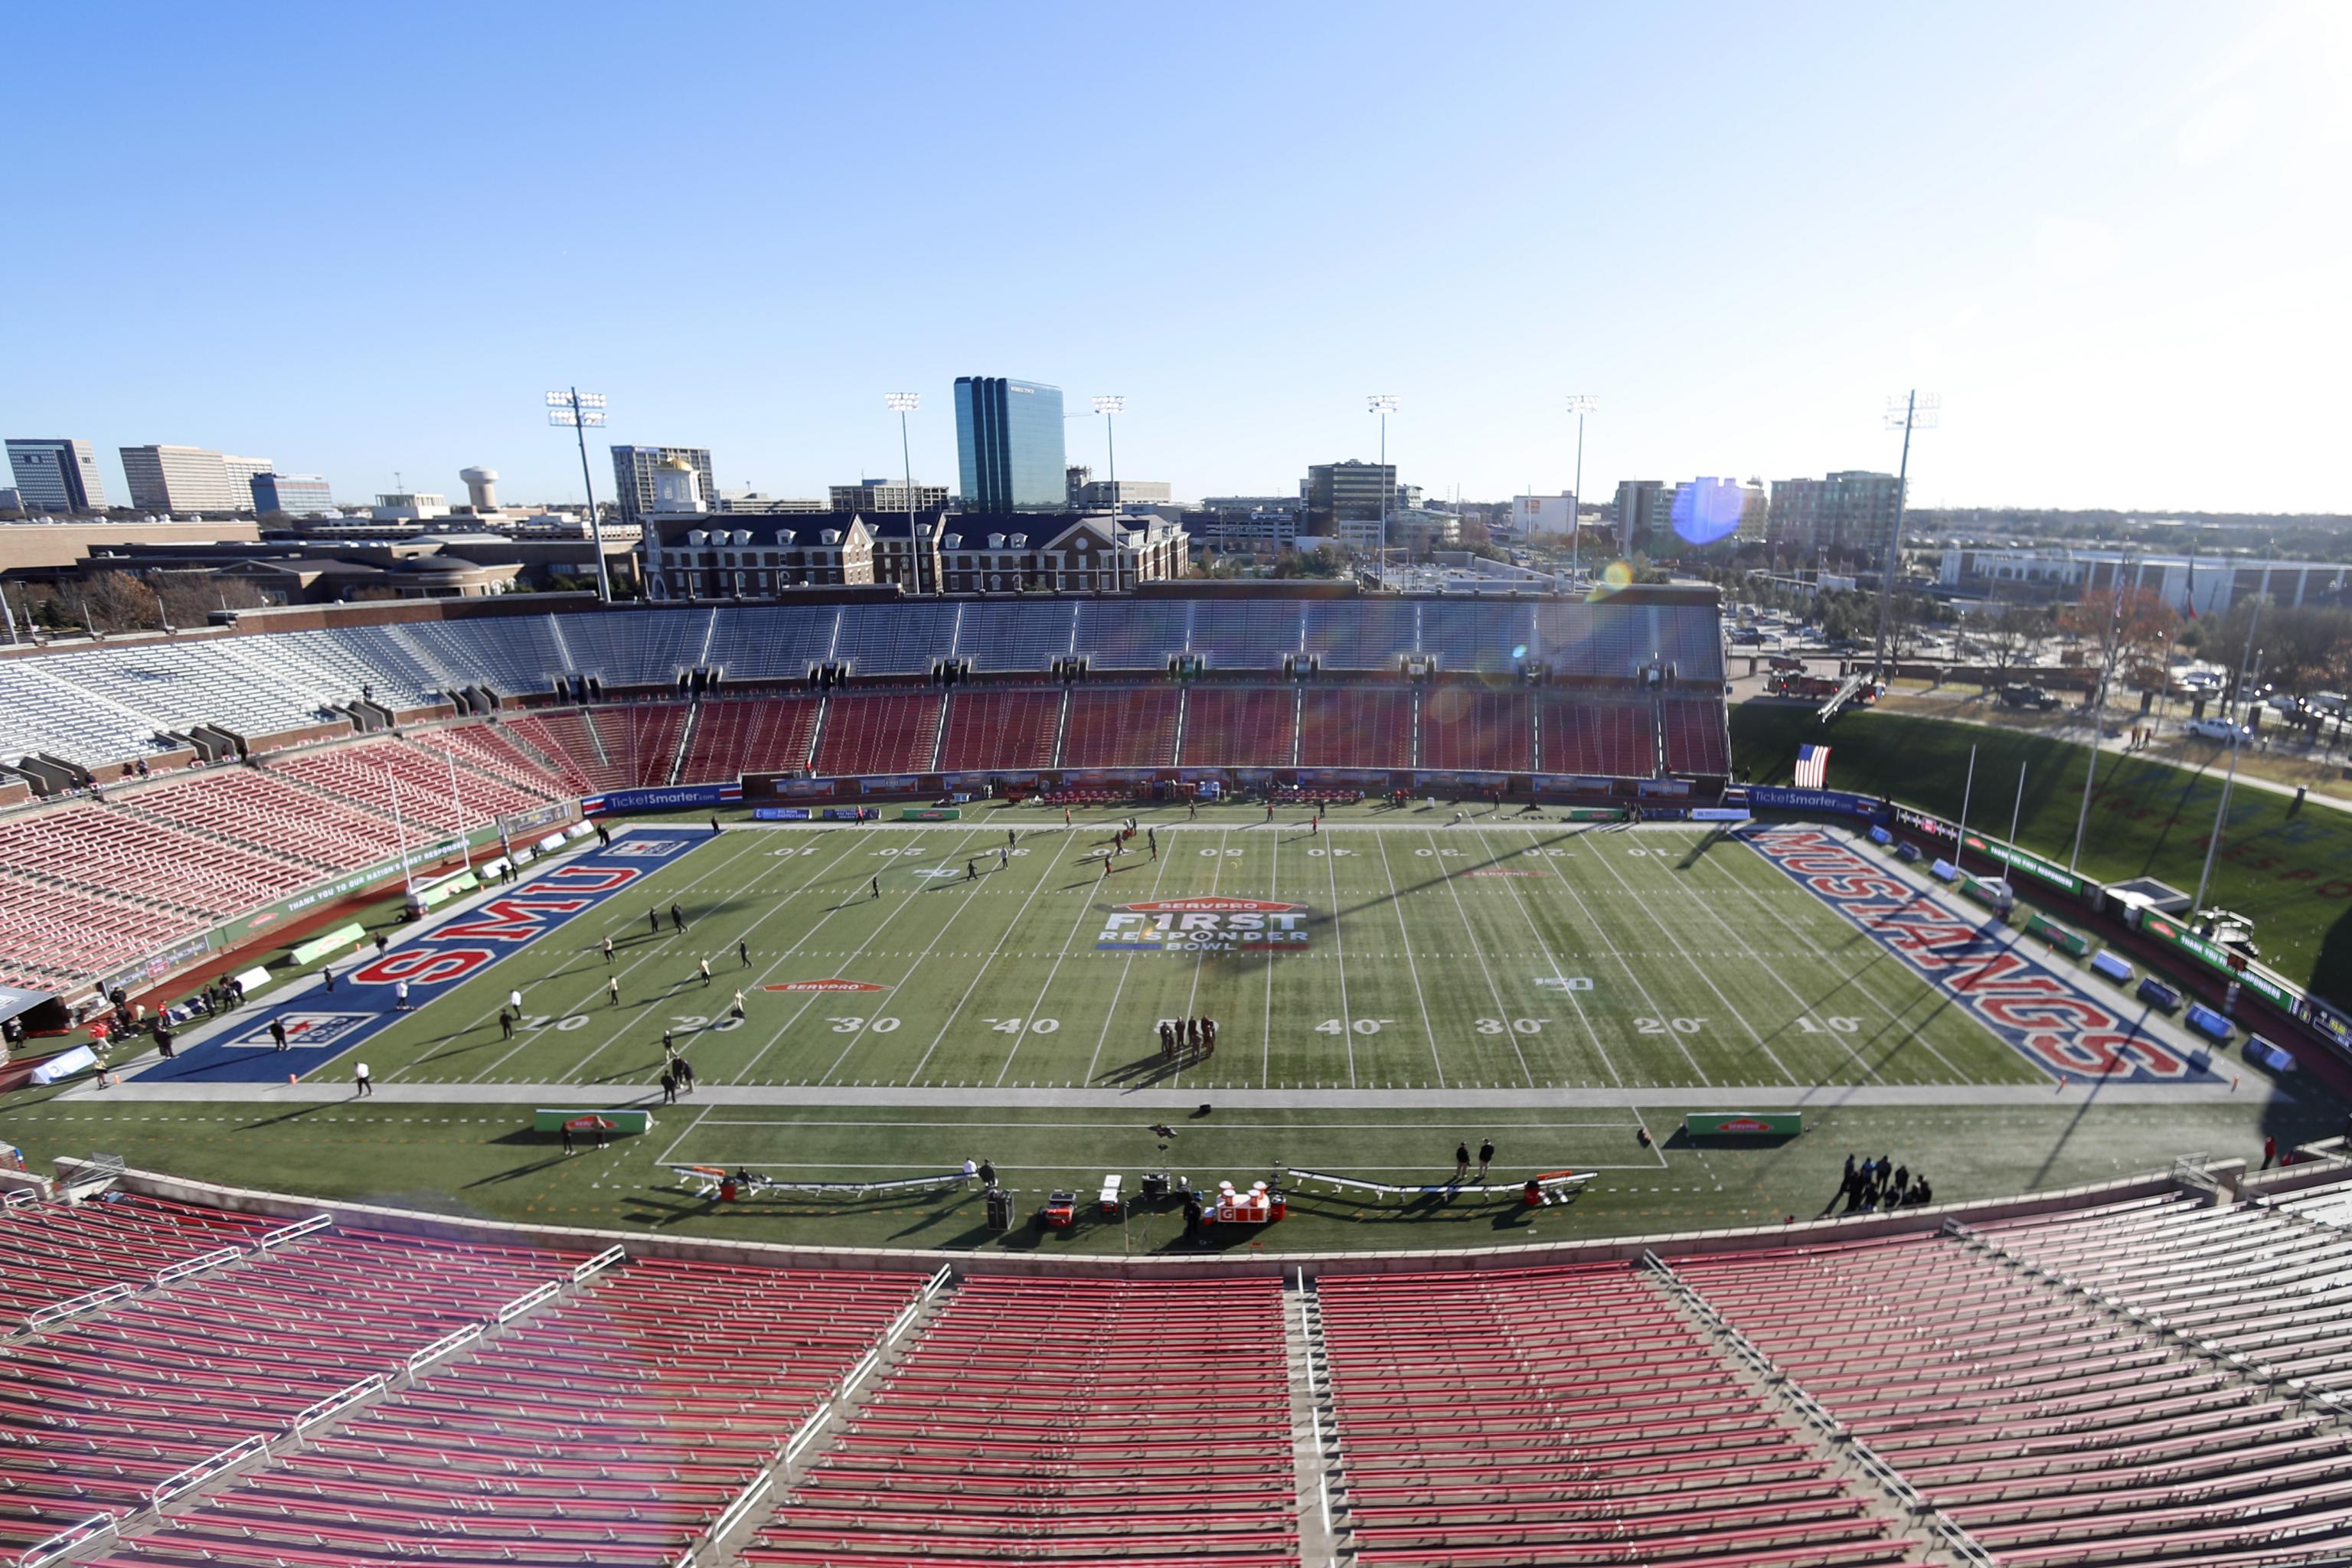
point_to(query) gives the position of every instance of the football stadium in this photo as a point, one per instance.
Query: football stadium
(1228, 1074)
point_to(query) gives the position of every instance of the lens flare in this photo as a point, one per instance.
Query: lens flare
(1706, 510)
(1615, 576)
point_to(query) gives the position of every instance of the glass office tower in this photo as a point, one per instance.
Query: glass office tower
(1009, 443)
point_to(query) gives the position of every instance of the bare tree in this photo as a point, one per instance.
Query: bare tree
(190, 597)
(119, 602)
(2009, 635)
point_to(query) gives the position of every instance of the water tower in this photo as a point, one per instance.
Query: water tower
(481, 487)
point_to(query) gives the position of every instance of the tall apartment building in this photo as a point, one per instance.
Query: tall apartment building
(1349, 492)
(190, 478)
(1009, 445)
(297, 495)
(636, 469)
(1848, 513)
(1644, 510)
(873, 496)
(57, 475)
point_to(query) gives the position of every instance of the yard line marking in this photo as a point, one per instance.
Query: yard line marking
(1006, 935)
(1340, 950)
(1694, 962)
(1192, 995)
(1396, 904)
(1631, 973)
(1110, 1014)
(1265, 1047)
(1850, 977)
(532, 1037)
(1086, 907)
(671, 1152)
(1548, 955)
(849, 842)
(906, 902)
(1471, 937)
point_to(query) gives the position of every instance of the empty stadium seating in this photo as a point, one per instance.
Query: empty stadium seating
(1076, 1421)
(1696, 741)
(2049, 1426)
(1240, 727)
(1599, 735)
(100, 848)
(640, 739)
(749, 735)
(1121, 727)
(1566, 1415)
(94, 705)
(102, 1407)
(52, 935)
(878, 732)
(1012, 728)
(2268, 1284)
(53, 1252)
(563, 739)
(392, 777)
(488, 748)
(616, 1423)
(254, 807)
(1355, 726)
(1471, 728)
(1016, 638)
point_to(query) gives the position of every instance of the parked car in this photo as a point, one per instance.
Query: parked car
(2283, 704)
(2329, 702)
(2221, 730)
(2016, 695)
(1748, 635)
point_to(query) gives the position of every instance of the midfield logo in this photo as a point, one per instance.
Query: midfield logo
(645, 849)
(1206, 925)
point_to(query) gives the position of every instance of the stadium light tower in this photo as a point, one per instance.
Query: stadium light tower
(1913, 410)
(1382, 403)
(1578, 404)
(1110, 407)
(903, 404)
(580, 410)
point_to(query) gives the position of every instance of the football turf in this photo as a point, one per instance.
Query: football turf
(1467, 956)
(1568, 990)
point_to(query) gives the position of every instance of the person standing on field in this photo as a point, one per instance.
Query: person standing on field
(702, 968)
(613, 990)
(1486, 1156)
(608, 949)
(1461, 1163)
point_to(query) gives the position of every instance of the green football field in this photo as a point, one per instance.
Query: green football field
(1443, 956)
(1385, 988)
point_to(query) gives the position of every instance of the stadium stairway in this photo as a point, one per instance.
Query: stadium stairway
(2100, 1386)
(1314, 1430)
(1888, 1495)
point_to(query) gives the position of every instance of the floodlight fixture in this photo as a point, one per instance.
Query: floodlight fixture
(1379, 403)
(1578, 404)
(578, 411)
(1110, 405)
(903, 404)
(1906, 412)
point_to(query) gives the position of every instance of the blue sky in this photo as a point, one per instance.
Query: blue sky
(360, 239)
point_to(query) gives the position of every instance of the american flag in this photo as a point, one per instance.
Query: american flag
(1812, 767)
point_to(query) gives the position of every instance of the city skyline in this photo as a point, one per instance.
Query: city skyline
(2100, 232)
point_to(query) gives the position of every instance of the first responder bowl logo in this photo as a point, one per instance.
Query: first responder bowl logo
(1205, 925)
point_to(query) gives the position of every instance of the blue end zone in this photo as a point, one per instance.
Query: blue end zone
(322, 1024)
